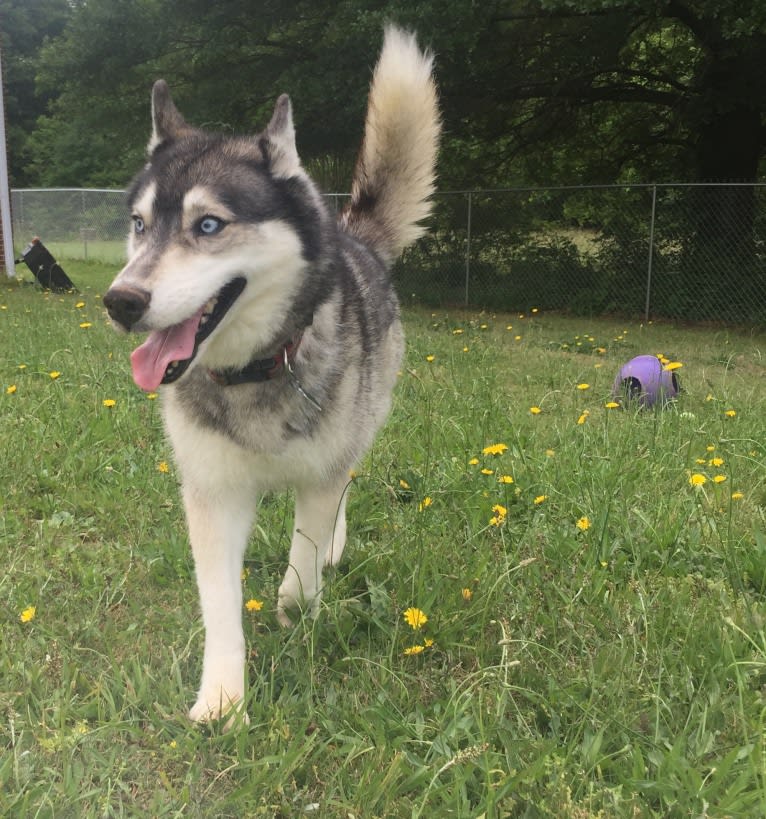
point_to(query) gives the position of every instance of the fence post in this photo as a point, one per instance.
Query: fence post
(468, 250)
(651, 254)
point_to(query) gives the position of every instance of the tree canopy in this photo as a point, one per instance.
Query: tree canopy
(532, 91)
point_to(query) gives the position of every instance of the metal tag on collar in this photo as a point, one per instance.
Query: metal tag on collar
(296, 384)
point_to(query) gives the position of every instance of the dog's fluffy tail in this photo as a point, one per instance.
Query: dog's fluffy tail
(395, 170)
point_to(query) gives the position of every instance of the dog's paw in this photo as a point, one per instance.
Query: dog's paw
(290, 609)
(233, 712)
(220, 706)
(283, 616)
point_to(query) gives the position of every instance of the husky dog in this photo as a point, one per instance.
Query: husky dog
(274, 330)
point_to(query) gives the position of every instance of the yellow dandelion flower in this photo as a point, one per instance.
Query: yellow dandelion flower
(710, 448)
(583, 386)
(717, 461)
(54, 374)
(22, 367)
(403, 484)
(466, 594)
(85, 324)
(473, 462)
(458, 331)
(535, 410)
(700, 461)
(534, 309)
(428, 642)
(151, 396)
(499, 516)
(583, 418)
(737, 495)
(719, 478)
(583, 524)
(517, 338)
(494, 449)
(80, 304)
(540, 499)
(505, 479)
(611, 405)
(509, 327)
(425, 503)
(10, 390)
(730, 413)
(486, 471)
(254, 605)
(430, 358)
(109, 402)
(28, 614)
(695, 479)
(412, 650)
(244, 574)
(162, 466)
(415, 618)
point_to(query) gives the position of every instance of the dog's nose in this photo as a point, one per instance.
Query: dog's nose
(126, 305)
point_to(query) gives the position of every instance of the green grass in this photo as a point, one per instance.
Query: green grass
(614, 670)
(111, 252)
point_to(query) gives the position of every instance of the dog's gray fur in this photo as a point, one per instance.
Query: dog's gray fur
(211, 210)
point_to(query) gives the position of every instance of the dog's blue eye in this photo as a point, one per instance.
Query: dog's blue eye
(138, 224)
(209, 225)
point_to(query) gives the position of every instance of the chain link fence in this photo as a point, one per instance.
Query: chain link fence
(695, 252)
(73, 223)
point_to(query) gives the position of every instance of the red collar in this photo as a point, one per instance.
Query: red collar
(260, 369)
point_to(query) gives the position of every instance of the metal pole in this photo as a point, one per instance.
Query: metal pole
(5, 195)
(468, 251)
(651, 254)
(83, 227)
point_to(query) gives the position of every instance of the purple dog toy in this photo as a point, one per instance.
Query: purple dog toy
(643, 379)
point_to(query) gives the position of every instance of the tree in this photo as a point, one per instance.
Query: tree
(26, 25)
(609, 89)
(533, 91)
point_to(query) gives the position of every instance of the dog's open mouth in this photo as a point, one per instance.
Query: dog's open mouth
(166, 354)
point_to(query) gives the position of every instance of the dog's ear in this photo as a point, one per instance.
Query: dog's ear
(167, 121)
(278, 140)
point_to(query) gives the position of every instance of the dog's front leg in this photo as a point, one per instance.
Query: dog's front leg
(319, 536)
(219, 528)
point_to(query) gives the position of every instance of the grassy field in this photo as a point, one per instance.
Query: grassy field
(595, 590)
(95, 250)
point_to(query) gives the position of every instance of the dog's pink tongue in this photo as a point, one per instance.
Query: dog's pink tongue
(151, 359)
